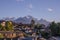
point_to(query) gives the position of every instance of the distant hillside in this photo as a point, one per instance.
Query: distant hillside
(27, 20)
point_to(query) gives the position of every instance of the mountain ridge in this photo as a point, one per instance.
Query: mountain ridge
(27, 20)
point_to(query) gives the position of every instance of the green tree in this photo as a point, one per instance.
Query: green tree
(32, 23)
(53, 27)
(58, 29)
(2, 28)
(38, 28)
(45, 34)
(9, 26)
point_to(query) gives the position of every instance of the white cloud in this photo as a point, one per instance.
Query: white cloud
(29, 8)
(50, 9)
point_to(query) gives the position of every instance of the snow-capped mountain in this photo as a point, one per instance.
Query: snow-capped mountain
(8, 19)
(45, 22)
(27, 20)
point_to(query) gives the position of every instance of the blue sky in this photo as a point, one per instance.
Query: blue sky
(46, 9)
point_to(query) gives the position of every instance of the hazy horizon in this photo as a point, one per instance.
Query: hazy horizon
(46, 9)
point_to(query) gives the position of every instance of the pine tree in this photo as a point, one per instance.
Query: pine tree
(32, 23)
